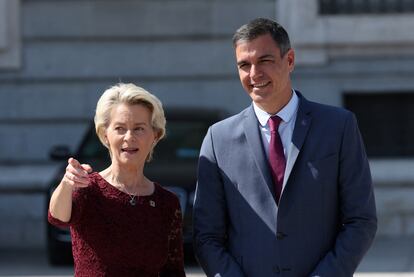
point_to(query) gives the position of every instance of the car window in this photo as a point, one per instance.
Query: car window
(92, 148)
(183, 141)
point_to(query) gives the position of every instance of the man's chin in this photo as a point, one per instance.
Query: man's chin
(260, 92)
(260, 99)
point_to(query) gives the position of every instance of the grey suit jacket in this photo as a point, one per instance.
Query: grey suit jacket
(326, 219)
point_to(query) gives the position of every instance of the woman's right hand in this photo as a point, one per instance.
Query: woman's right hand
(76, 175)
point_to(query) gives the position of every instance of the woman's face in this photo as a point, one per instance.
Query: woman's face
(130, 135)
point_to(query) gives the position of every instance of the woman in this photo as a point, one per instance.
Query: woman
(122, 224)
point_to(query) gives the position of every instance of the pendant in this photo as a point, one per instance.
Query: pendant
(132, 201)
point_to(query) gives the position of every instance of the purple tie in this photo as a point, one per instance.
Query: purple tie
(276, 156)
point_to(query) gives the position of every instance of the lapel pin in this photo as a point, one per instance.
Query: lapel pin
(152, 203)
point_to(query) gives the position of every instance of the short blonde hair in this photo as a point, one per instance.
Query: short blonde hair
(132, 95)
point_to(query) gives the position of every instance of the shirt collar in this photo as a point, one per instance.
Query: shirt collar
(286, 113)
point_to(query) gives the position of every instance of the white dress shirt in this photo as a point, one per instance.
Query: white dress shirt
(288, 115)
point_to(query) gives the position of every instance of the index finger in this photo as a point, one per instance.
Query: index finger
(76, 168)
(74, 163)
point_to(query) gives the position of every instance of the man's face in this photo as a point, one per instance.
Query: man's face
(264, 74)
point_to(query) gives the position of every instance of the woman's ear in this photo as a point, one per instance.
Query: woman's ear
(155, 141)
(106, 138)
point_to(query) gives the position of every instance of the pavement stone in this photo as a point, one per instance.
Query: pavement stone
(388, 257)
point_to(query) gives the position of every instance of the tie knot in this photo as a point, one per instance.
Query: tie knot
(274, 123)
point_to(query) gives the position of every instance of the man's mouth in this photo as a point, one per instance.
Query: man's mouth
(260, 85)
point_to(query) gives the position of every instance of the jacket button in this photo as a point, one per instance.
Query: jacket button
(280, 235)
(276, 269)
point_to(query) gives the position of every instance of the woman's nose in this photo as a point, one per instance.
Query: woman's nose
(129, 135)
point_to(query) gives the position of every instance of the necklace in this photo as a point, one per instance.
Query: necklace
(133, 198)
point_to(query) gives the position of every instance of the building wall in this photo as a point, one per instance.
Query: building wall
(71, 51)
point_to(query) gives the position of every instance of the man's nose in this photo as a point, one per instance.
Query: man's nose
(255, 71)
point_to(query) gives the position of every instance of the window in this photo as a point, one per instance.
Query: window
(386, 122)
(327, 7)
(9, 34)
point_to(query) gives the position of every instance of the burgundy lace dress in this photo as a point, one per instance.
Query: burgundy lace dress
(111, 237)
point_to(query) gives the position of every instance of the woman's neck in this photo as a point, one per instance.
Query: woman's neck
(129, 180)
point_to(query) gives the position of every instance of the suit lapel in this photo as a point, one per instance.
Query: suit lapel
(291, 159)
(253, 137)
(303, 122)
(262, 204)
(302, 125)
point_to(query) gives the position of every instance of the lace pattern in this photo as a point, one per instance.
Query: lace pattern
(110, 237)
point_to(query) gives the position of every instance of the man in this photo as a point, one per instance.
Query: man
(284, 195)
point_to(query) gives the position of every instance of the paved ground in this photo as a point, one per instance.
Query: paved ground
(387, 258)
(390, 255)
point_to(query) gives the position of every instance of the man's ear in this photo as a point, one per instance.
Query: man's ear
(291, 59)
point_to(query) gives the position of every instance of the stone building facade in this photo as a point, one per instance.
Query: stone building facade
(56, 58)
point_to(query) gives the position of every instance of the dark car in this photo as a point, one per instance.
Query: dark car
(174, 166)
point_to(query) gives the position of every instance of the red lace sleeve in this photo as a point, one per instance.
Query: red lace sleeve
(79, 198)
(175, 261)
